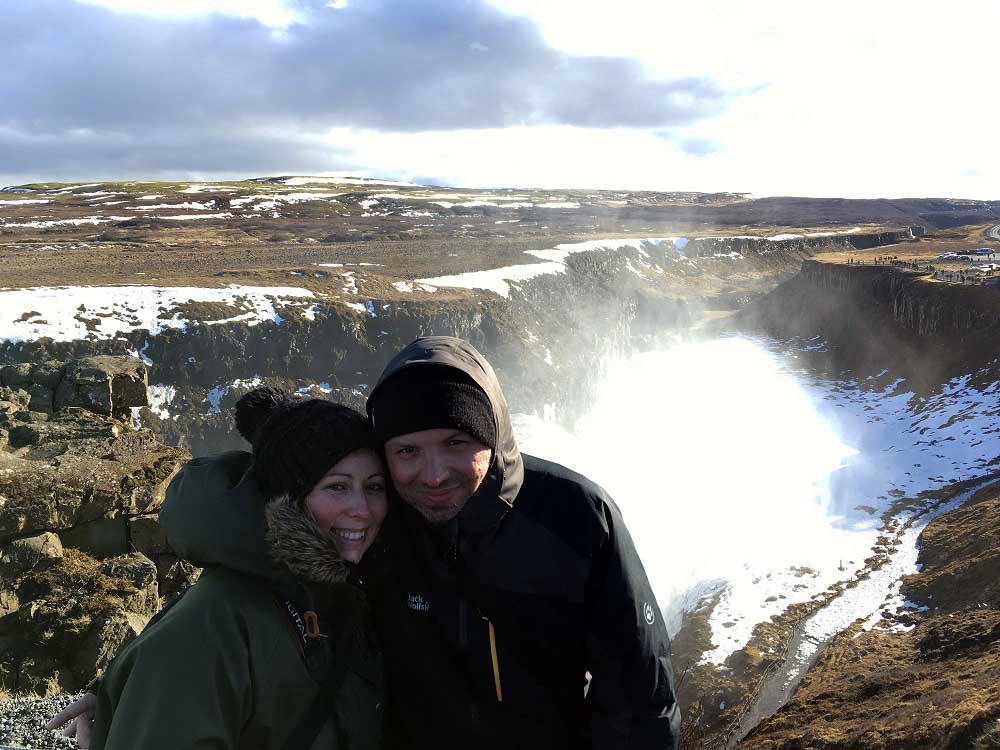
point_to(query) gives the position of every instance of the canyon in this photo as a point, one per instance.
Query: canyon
(125, 340)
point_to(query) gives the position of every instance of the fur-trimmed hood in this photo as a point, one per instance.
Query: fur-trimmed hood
(215, 514)
(297, 543)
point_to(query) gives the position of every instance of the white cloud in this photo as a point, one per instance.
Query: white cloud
(864, 99)
(551, 157)
(764, 157)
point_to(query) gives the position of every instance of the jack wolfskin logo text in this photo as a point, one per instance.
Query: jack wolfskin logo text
(418, 603)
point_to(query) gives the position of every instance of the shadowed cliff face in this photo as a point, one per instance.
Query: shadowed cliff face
(877, 317)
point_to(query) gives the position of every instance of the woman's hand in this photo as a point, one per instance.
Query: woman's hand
(80, 715)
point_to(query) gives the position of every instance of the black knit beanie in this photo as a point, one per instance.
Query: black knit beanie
(297, 440)
(428, 397)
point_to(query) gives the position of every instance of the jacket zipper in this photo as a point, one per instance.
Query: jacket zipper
(463, 635)
(463, 617)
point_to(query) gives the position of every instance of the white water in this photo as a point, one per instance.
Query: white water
(737, 471)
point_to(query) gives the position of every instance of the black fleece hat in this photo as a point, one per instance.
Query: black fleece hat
(428, 397)
(297, 440)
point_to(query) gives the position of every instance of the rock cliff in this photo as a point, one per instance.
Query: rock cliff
(83, 563)
(874, 317)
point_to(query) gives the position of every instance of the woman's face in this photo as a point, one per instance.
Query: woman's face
(350, 503)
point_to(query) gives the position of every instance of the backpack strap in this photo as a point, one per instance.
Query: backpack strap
(337, 660)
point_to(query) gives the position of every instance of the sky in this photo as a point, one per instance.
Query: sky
(773, 97)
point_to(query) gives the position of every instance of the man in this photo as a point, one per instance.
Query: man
(511, 579)
(504, 581)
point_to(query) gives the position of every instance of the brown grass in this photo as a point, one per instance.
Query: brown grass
(77, 576)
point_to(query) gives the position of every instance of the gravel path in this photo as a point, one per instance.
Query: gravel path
(22, 723)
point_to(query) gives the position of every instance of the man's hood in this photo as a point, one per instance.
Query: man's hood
(507, 470)
(215, 514)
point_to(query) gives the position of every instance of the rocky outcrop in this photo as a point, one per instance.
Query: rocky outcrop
(83, 562)
(81, 476)
(932, 686)
(104, 385)
(75, 613)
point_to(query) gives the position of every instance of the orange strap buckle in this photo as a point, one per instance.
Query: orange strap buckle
(312, 624)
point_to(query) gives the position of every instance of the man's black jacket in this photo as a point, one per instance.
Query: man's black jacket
(490, 624)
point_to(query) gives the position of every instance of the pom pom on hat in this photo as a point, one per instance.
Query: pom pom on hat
(254, 408)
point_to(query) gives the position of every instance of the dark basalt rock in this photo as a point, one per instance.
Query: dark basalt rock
(79, 491)
(105, 385)
(22, 555)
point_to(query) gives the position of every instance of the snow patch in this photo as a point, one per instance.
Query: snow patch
(497, 280)
(112, 310)
(205, 188)
(160, 397)
(67, 222)
(191, 205)
(189, 217)
(215, 395)
(344, 180)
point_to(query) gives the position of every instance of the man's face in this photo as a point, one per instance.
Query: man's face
(436, 471)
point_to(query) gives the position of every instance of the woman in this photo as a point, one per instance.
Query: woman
(272, 647)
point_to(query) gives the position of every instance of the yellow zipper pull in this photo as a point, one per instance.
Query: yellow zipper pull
(496, 663)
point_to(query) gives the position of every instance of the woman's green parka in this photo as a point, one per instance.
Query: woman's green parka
(226, 666)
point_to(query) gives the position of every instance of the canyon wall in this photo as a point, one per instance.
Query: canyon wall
(548, 339)
(874, 317)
